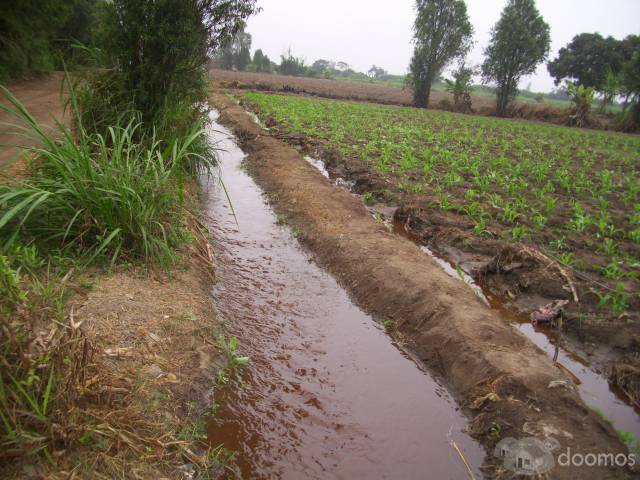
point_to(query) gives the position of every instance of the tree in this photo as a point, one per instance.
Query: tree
(161, 47)
(519, 42)
(36, 34)
(610, 89)
(244, 58)
(630, 88)
(587, 59)
(376, 73)
(290, 65)
(261, 62)
(258, 58)
(236, 50)
(441, 32)
(320, 66)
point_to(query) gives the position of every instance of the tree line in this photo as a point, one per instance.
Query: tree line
(235, 54)
(520, 41)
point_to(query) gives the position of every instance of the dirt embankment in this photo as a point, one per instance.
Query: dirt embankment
(501, 379)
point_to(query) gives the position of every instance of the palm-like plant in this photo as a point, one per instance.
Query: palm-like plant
(460, 87)
(582, 98)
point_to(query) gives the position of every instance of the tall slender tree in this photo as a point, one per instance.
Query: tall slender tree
(519, 42)
(441, 32)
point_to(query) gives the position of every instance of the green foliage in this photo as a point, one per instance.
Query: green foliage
(100, 195)
(460, 87)
(610, 88)
(161, 47)
(442, 32)
(377, 73)
(576, 190)
(587, 59)
(582, 98)
(10, 293)
(235, 52)
(261, 62)
(519, 42)
(35, 35)
(290, 65)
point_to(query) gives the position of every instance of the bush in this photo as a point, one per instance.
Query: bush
(113, 194)
(582, 98)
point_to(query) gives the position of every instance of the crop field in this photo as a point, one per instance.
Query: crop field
(574, 194)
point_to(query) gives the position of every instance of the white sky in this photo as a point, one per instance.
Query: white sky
(367, 32)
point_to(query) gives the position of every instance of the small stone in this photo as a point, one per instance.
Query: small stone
(153, 371)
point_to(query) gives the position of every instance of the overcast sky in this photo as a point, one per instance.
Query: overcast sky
(367, 32)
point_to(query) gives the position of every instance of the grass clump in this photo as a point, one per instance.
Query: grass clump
(101, 194)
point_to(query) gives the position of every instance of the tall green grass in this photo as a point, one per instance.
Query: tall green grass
(109, 188)
(101, 194)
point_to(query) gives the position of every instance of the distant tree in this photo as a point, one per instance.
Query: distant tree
(519, 42)
(610, 89)
(320, 66)
(441, 32)
(236, 50)
(244, 58)
(267, 65)
(587, 59)
(376, 73)
(261, 62)
(630, 87)
(342, 66)
(290, 65)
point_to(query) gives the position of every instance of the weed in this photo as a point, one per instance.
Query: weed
(367, 198)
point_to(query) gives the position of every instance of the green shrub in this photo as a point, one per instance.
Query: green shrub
(93, 194)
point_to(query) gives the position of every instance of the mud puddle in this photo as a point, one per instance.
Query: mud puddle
(327, 393)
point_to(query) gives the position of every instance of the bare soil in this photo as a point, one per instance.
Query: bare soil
(44, 99)
(501, 379)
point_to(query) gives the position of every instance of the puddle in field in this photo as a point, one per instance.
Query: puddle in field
(595, 389)
(327, 393)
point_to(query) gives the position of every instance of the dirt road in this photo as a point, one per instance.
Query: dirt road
(500, 377)
(42, 98)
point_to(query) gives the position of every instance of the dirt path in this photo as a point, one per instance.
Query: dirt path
(42, 98)
(499, 376)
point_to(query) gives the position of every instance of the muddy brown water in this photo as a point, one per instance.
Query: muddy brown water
(327, 393)
(594, 387)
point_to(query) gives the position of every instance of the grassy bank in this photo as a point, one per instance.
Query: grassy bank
(104, 274)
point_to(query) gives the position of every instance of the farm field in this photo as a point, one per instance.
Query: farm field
(377, 92)
(478, 188)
